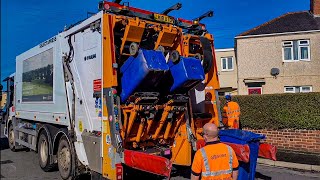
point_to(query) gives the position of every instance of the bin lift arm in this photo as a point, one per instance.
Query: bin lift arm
(67, 59)
(207, 14)
(195, 27)
(174, 7)
(68, 77)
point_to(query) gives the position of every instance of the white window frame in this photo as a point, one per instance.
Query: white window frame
(289, 44)
(303, 45)
(286, 91)
(305, 91)
(294, 88)
(226, 58)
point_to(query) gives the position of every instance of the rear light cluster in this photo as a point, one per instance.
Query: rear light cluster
(119, 171)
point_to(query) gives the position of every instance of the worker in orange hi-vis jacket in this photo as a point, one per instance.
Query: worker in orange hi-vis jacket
(215, 160)
(231, 114)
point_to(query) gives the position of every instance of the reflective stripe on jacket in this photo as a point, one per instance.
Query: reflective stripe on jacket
(231, 114)
(216, 173)
(214, 161)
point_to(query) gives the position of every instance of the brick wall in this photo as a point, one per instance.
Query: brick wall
(315, 7)
(294, 140)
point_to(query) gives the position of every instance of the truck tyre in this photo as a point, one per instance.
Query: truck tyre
(43, 152)
(11, 138)
(64, 158)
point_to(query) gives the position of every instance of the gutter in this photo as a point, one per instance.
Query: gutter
(224, 50)
(276, 34)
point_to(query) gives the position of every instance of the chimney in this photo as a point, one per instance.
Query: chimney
(315, 7)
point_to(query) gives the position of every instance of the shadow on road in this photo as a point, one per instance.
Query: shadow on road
(261, 176)
(4, 144)
(181, 171)
(6, 162)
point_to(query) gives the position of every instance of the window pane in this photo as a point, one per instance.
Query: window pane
(230, 64)
(304, 52)
(304, 42)
(289, 89)
(287, 53)
(287, 44)
(224, 63)
(297, 89)
(295, 50)
(305, 89)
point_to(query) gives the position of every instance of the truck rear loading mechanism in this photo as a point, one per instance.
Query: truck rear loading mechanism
(125, 87)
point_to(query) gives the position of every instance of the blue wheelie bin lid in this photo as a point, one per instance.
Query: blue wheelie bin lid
(238, 136)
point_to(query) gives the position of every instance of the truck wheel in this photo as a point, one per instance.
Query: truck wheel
(11, 139)
(43, 152)
(64, 158)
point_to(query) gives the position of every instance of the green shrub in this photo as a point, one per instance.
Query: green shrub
(279, 111)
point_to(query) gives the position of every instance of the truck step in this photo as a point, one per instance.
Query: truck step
(27, 131)
(33, 147)
(26, 137)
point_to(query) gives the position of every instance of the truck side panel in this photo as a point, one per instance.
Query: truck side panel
(40, 87)
(86, 68)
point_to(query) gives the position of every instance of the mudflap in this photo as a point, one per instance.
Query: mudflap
(268, 151)
(147, 162)
(242, 151)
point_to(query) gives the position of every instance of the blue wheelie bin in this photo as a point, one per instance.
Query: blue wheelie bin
(187, 73)
(142, 73)
(246, 170)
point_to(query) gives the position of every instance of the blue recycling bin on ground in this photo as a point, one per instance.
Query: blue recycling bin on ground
(246, 170)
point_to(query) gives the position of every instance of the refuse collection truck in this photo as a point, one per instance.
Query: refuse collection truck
(123, 88)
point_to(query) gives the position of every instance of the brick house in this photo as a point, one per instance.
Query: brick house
(227, 71)
(282, 55)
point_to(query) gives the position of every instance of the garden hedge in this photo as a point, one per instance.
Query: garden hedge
(279, 111)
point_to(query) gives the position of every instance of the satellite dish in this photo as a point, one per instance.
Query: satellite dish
(275, 71)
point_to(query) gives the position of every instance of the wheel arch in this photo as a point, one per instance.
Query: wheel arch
(44, 128)
(7, 125)
(57, 137)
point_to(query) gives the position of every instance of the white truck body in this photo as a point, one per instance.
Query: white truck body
(51, 103)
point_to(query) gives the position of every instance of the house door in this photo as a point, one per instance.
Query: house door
(254, 90)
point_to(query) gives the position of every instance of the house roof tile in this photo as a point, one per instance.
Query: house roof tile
(290, 22)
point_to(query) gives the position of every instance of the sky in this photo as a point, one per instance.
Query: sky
(25, 24)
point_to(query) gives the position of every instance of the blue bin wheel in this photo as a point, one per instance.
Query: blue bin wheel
(133, 49)
(161, 49)
(175, 56)
(198, 56)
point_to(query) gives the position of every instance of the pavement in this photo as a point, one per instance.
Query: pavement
(24, 165)
(308, 167)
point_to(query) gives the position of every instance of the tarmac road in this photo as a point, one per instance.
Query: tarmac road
(24, 165)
